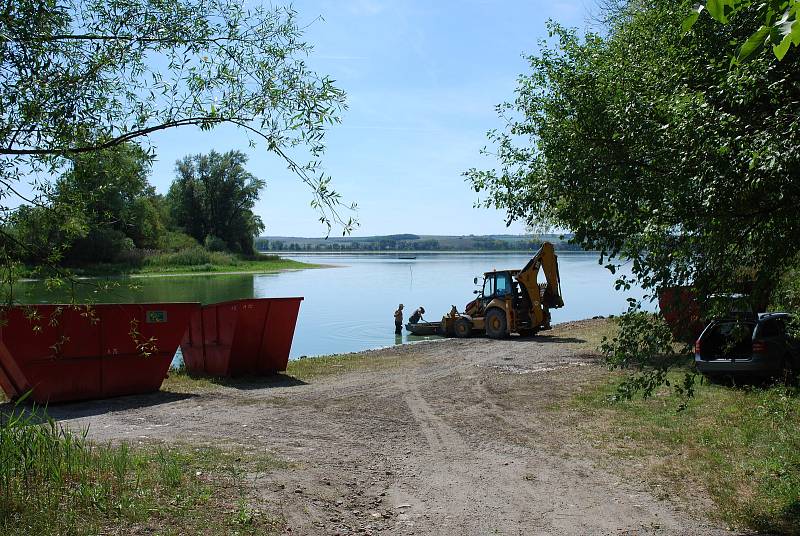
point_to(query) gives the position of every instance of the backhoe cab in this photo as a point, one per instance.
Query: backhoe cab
(511, 301)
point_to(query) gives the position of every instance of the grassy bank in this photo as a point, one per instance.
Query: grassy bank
(195, 260)
(298, 370)
(174, 264)
(55, 482)
(741, 445)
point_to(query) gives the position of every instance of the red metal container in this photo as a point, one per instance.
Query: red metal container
(67, 352)
(680, 309)
(239, 337)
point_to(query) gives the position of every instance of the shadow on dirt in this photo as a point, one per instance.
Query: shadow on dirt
(247, 383)
(554, 339)
(785, 521)
(87, 408)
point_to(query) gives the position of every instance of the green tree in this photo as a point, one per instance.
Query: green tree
(110, 206)
(80, 76)
(213, 198)
(779, 26)
(660, 156)
(39, 234)
(111, 187)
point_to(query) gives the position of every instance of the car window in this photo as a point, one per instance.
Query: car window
(729, 338)
(772, 328)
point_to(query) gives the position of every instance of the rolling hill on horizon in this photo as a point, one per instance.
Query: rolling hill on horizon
(414, 242)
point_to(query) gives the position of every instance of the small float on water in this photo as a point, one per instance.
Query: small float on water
(424, 328)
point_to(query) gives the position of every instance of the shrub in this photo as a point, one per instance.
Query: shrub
(100, 245)
(135, 257)
(176, 241)
(215, 243)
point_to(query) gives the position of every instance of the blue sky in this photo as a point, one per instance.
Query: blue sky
(422, 79)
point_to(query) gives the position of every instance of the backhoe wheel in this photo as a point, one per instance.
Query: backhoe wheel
(462, 328)
(496, 324)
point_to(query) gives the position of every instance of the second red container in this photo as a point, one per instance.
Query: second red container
(251, 336)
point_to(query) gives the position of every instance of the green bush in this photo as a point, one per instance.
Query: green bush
(136, 258)
(100, 245)
(215, 243)
(176, 241)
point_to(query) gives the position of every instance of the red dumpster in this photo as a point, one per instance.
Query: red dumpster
(686, 315)
(680, 309)
(251, 336)
(67, 352)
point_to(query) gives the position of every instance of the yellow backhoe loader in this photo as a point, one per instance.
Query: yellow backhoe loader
(511, 301)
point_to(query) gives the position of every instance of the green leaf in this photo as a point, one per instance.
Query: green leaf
(782, 48)
(753, 44)
(790, 27)
(716, 8)
(689, 21)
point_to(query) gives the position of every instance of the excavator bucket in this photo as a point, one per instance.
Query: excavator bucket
(550, 293)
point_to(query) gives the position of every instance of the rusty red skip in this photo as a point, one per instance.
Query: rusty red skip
(681, 311)
(68, 352)
(251, 336)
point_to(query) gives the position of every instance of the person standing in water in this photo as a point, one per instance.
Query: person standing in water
(398, 320)
(417, 316)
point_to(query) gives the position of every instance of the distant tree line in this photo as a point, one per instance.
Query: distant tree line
(102, 209)
(471, 243)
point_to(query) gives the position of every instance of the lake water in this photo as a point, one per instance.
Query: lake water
(349, 307)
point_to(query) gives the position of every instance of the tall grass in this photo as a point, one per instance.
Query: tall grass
(195, 256)
(55, 481)
(741, 444)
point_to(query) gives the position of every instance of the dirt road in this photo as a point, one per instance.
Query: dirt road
(452, 437)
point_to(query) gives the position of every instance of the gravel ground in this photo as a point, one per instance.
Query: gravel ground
(454, 437)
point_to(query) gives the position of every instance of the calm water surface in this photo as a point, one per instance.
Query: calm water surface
(349, 307)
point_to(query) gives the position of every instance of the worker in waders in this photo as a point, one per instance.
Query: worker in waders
(398, 320)
(417, 316)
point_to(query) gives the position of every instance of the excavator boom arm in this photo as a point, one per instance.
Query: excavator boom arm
(547, 260)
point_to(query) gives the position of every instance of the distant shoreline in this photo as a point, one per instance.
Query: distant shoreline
(421, 252)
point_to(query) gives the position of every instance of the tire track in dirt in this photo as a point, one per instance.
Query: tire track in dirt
(459, 487)
(453, 439)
